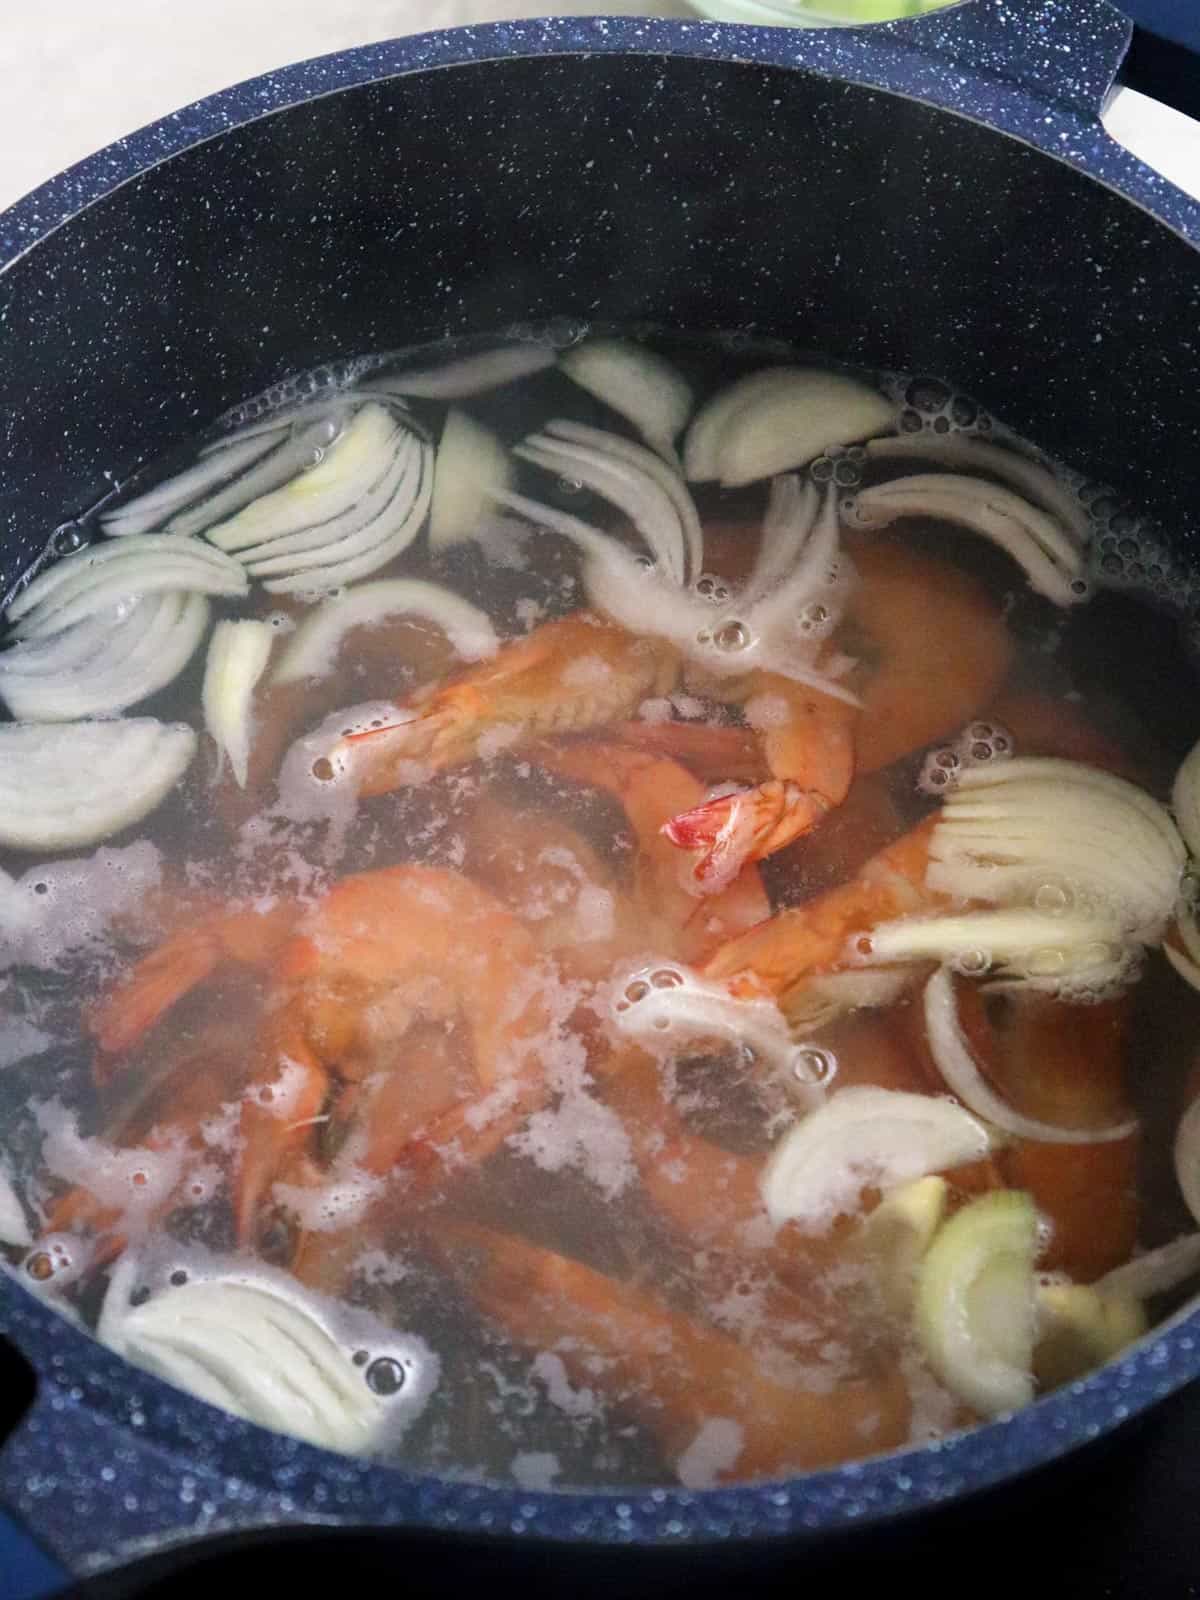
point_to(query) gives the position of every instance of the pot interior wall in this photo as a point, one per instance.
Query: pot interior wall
(693, 194)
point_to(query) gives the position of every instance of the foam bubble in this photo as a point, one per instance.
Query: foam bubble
(53, 911)
(535, 1469)
(713, 1451)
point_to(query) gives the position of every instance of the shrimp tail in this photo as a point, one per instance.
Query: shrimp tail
(734, 830)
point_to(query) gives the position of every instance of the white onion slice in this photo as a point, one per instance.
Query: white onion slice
(472, 465)
(147, 652)
(330, 486)
(787, 527)
(968, 453)
(273, 426)
(632, 490)
(711, 421)
(953, 1058)
(14, 1229)
(816, 576)
(1187, 969)
(1050, 559)
(247, 1348)
(297, 451)
(667, 478)
(100, 577)
(1156, 1272)
(865, 1137)
(75, 783)
(352, 531)
(665, 1004)
(1185, 799)
(64, 650)
(459, 380)
(639, 385)
(789, 422)
(1067, 954)
(1016, 830)
(388, 536)
(312, 650)
(237, 658)
(153, 507)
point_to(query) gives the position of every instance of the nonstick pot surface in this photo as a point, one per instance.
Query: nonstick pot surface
(640, 188)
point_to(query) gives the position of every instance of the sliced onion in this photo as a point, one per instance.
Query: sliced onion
(472, 465)
(65, 650)
(787, 526)
(153, 507)
(388, 536)
(14, 1229)
(1185, 799)
(630, 488)
(1187, 1157)
(75, 783)
(352, 531)
(667, 478)
(330, 487)
(1012, 831)
(1156, 1272)
(97, 578)
(817, 577)
(1184, 966)
(237, 658)
(459, 380)
(1048, 555)
(302, 448)
(636, 383)
(1014, 942)
(968, 454)
(785, 423)
(312, 650)
(818, 1001)
(665, 1004)
(710, 423)
(251, 1350)
(141, 656)
(865, 1137)
(953, 1058)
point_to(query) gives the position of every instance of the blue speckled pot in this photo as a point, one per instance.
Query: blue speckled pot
(849, 190)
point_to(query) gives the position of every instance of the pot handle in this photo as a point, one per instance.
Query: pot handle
(1059, 53)
(95, 1495)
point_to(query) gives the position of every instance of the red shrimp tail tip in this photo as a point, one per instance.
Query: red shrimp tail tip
(735, 829)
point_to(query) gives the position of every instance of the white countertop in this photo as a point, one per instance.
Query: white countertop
(76, 74)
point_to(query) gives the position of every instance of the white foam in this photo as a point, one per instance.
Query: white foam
(656, 711)
(714, 1450)
(766, 711)
(54, 910)
(496, 740)
(586, 672)
(134, 1182)
(13, 1227)
(20, 1039)
(330, 1207)
(535, 1469)
(561, 1393)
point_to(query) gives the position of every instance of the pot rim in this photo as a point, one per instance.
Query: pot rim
(257, 1478)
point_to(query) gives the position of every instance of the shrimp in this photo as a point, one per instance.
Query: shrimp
(582, 673)
(689, 1381)
(775, 957)
(382, 950)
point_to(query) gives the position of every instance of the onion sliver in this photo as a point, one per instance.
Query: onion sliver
(1183, 965)
(247, 1348)
(153, 507)
(459, 380)
(331, 486)
(1185, 799)
(788, 422)
(148, 651)
(64, 650)
(860, 1137)
(635, 492)
(714, 417)
(667, 478)
(14, 1229)
(1187, 1157)
(352, 531)
(298, 450)
(471, 467)
(1048, 555)
(75, 783)
(965, 452)
(388, 535)
(637, 384)
(312, 650)
(97, 578)
(1022, 830)
(1156, 1272)
(665, 1004)
(1069, 954)
(953, 1058)
(237, 658)
(787, 526)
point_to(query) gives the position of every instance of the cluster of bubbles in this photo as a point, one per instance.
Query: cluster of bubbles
(930, 406)
(979, 744)
(840, 465)
(321, 381)
(1127, 551)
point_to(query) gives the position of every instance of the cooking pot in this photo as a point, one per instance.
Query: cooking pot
(936, 195)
